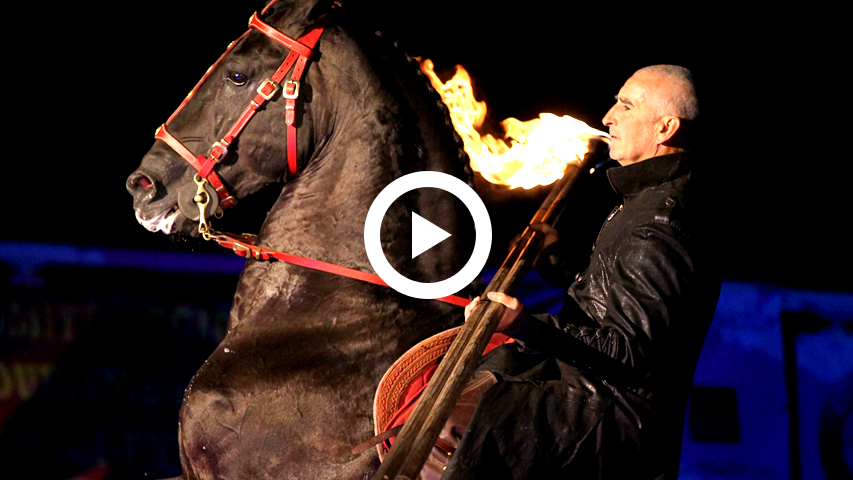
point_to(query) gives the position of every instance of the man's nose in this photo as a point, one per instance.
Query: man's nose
(608, 119)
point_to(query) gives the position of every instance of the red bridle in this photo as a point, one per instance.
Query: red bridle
(300, 52)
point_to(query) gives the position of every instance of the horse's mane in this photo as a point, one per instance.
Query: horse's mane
(437, 104)
(359, 24)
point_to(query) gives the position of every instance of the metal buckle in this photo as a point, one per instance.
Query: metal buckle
(202, 198)
(238, 247)
(222, 146)
(249, 250)
(275, 88)
(295, 93)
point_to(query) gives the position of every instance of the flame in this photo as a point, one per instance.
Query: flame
(531, 153)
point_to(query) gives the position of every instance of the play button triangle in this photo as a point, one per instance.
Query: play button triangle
(425, 235)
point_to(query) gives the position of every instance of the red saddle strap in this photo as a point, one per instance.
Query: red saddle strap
(245, 248)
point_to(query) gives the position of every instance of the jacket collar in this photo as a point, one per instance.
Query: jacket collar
(633, 179)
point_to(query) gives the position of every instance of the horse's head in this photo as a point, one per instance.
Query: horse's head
(198, 138)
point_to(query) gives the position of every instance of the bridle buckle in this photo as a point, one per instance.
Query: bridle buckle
(275, 88)
(222, 146)
(291, 96)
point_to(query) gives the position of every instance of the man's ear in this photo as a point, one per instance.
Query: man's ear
(668, 130)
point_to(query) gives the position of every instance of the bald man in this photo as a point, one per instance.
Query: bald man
(599, 390)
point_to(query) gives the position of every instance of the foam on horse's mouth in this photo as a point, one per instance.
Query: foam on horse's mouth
(162, 222)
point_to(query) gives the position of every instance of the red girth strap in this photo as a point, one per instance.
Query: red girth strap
(300, 52)
(246, 248)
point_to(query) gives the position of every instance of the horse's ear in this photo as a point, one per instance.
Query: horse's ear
(293, 17)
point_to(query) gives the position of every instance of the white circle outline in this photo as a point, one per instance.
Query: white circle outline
(482, 228)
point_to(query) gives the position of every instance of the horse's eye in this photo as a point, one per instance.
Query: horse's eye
(238, 78)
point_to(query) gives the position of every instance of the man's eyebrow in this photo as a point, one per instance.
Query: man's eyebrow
(624, 100)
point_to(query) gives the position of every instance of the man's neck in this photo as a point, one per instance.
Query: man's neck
(658, 151)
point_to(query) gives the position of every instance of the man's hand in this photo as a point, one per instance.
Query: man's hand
(513, 307)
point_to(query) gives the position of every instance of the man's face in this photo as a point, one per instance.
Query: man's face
(632, 120)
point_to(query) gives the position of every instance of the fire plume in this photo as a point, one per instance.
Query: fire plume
(531, 153)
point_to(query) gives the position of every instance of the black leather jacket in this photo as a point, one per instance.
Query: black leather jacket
(619, 358)
(649, 293)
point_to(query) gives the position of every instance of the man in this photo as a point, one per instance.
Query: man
(599, 390)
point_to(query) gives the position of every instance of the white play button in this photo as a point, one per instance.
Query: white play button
(422, 239)
(425, 235)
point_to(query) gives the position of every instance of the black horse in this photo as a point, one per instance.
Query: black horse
(289, 391)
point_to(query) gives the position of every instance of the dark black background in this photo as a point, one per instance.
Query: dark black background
(88, 84)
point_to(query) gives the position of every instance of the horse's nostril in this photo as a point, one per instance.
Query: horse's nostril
(140, 184)
(141, 180)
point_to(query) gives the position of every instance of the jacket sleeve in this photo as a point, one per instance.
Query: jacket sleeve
(648, 287)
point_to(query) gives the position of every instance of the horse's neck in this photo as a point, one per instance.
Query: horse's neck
(360, 134)
(366, 133)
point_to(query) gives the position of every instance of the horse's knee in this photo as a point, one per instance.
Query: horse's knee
(211, 425)
(221, 412)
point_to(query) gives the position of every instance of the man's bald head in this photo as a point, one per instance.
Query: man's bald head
(678, 93)
(651, 114)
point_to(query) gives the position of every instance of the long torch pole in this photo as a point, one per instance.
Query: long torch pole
(413, 444)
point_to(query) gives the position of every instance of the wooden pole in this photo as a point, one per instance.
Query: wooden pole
(415, 441)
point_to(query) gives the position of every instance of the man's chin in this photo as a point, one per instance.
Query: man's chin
(615, 155)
